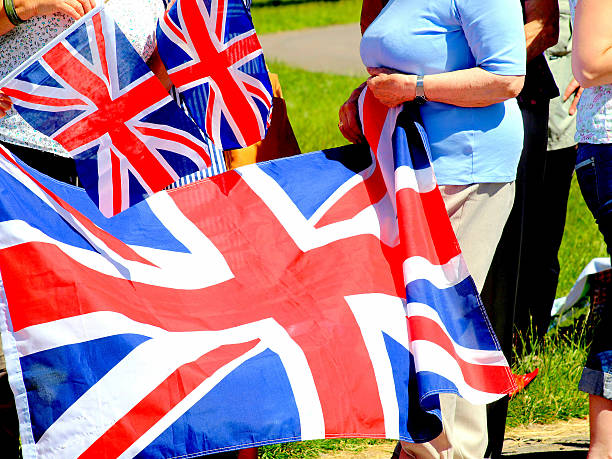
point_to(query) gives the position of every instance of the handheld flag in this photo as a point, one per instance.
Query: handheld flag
(90, 90)
(214, 59)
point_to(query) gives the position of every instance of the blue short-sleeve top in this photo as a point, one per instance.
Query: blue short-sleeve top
(468, 144)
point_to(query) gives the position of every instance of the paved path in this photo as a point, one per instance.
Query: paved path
(333, 49)
(563, 440)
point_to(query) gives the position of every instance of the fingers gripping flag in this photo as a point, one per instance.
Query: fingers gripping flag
(214, 59)
(90, 91)
(294, 308)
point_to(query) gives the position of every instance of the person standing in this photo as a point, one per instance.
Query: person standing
(517, 263)
(464, 60)
(559, 165)
(592, 67)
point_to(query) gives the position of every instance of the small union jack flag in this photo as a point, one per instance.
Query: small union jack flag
(215, 60)
(91, 92)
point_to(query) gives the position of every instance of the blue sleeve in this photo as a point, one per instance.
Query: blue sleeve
(495, 33)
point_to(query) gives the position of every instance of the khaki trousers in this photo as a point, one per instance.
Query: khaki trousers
(478, 214)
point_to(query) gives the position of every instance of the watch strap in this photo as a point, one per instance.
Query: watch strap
(420, 88)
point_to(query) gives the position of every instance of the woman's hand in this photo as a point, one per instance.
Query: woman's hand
(349, 123)
(391, 88)
(5, 104)
(76, 9)
(573, 89)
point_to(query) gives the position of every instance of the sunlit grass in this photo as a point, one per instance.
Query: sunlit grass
(313, 101)
(271, 16)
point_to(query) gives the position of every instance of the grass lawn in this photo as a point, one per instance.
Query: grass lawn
(271, 16)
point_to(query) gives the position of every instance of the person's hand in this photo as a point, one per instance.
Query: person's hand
(76, 9)
(573, 88)
(349, 123)
(5, 104)
(391, 88)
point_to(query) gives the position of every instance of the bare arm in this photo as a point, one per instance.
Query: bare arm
(592, 43)
(27, 9)
(473, 87)
(541, 26)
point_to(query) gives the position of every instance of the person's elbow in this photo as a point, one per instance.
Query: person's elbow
(587, 71)
(510, 86)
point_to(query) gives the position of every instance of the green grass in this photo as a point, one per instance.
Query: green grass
(313, 101)
(553, 395)
(271, 16)
(314, 448)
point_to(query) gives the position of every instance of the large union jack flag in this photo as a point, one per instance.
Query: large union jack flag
(294, 308)
(91, 91)
(214, 58)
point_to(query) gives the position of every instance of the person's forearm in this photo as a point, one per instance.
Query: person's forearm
(5, 24)
(592, 43)
(541, 26)
(473, 87)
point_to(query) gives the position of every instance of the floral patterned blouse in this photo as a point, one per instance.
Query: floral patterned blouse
(594, 118)
(137, 20)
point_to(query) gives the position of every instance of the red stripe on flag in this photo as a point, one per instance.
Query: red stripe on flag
(101, 44)
(374, 117)
(162, 399)
(366, 193)
(256, 92)
(220, 16)
(431, 235)
(174, 28)
(41, 100)
(116, 190)
(493, 379)
(210, 110)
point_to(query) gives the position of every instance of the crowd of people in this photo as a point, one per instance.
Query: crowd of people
(503, 153)
(479, 72)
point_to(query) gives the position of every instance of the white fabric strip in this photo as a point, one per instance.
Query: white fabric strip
(441, 276)
(377, 314)
(419, 180)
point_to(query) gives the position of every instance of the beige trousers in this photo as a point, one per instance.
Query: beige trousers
(478, 214)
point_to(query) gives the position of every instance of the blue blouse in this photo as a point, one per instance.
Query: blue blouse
(469, 144)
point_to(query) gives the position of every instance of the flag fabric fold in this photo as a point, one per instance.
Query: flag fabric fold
(90, 91)
(317, 296)
(215, 60)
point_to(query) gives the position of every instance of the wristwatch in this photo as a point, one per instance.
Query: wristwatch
(420, 91)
